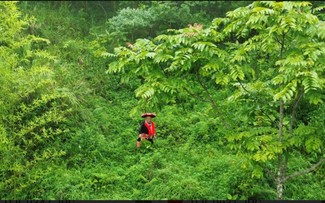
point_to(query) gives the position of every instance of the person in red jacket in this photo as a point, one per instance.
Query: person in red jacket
(147, 130)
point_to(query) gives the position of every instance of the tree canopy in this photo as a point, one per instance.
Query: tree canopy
(267, 57)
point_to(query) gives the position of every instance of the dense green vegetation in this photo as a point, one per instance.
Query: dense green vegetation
(238, 88)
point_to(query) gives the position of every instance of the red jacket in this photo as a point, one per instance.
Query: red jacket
(148, 129)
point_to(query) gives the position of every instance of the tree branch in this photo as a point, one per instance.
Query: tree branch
(205, 89)
(282, 45)
(294, 108)
(280, 177)
(214, 105)
(276, 39)
(270, 173)
(270, 119)
(302, 172)
(196, 96)
(100, 5)
(258, 100)
(281, 115)
(285, 167)
(292, 120)
(243, 87)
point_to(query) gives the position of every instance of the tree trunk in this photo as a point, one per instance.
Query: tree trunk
(279, 188)
(114, 7)
(280, 177)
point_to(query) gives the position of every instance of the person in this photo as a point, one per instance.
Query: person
(147, 130)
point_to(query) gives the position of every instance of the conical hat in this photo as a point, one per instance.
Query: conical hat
(148, 114)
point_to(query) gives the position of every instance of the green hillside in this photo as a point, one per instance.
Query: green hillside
(238, 88)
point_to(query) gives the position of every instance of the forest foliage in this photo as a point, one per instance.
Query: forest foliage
(238, 88)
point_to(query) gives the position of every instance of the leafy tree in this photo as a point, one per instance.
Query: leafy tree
(265, 60)
(34, 109)
(147, 19)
